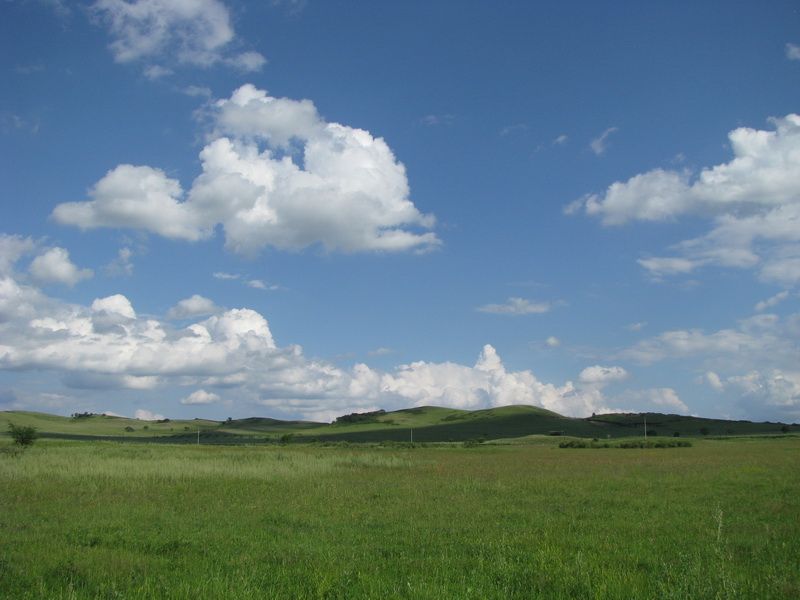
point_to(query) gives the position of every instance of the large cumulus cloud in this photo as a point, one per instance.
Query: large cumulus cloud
(752, 201)
(274, 173)
(232, 355)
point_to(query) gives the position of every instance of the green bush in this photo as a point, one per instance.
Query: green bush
(22, 435)
(573, 444)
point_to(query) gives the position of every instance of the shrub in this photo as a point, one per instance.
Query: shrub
(83, 415)
(129, 428)
(365, 417)
(22, 435)
(573, 444)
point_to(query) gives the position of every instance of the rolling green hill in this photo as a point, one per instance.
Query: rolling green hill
(428, 424)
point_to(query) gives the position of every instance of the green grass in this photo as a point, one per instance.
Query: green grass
(105, 520)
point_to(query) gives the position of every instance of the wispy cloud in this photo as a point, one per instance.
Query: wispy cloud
(10, 122)
(122, 264)
(227, 276)
(259, 284)
(599, 145)
(382, 351)
(256, 284)
(773, 301)
(516, 307)
(515, 128)
(29, 69)
(436, 120)
(792, 51)
(200, 397)
(196, 91)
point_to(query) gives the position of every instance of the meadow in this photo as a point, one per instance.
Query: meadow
(720, 519)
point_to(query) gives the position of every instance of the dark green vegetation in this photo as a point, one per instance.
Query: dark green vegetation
(21, 434)
(429, 424)
(627, 443)
(720, 519)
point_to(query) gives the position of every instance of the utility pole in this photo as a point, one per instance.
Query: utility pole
(412, 435)
(198, 437)
(645, 426)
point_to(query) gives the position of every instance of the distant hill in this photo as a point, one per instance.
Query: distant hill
(426, 424)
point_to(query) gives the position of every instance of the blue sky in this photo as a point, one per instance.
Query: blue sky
(302, 209)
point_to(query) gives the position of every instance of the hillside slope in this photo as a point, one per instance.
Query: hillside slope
(426, 424)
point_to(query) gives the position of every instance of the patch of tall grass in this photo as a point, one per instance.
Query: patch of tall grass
(108, 460)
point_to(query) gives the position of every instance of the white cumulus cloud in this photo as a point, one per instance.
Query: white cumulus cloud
(107, 345)
(147, 415)
(348, 193)
(775, 388)
(197, 33)
(54, 266)
(12, 248)
(116, 305)
(201, 397)
(753, 202)
(712, 379)
(599, 375)
(194, 306)
(485, 384)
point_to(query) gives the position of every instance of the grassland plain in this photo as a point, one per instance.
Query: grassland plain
(720, 519)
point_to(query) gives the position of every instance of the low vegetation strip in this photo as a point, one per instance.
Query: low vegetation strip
(666, 443)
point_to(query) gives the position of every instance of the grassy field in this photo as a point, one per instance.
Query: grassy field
(720, 519)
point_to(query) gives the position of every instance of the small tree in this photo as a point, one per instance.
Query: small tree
(22, 435)
(705, 430)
